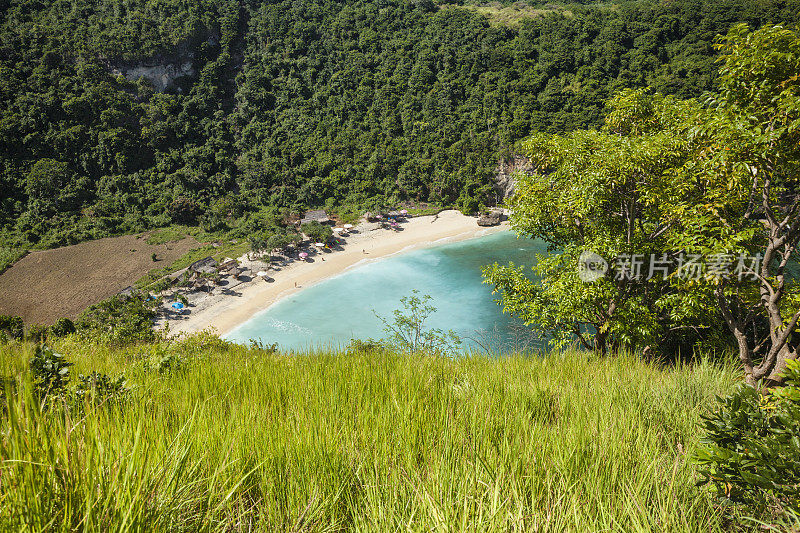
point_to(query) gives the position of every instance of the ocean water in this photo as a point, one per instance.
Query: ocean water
(334, 311)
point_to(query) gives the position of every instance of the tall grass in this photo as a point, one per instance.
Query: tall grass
(246, 440)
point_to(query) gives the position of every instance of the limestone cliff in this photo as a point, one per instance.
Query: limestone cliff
(507, 168)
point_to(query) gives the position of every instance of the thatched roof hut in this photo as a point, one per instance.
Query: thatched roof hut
(318, 215)
(228, 265)
(206, 265)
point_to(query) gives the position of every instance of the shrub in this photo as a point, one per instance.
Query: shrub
(99, 389)
(752, 445)
(63, 326)
(317, 232)
(50, 372)
(169, 363)
(13, 326)
(120, 320)
(368, 346)
(468, 205)
(36, 333)
(407, 332)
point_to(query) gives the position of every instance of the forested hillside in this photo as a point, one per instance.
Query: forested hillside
(265, 104)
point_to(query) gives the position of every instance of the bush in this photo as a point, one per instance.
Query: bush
(317, 232)
(63, 326)
(752, 445)
(36, 333)
(98, 388)
(119, 320)
(468, 205)
(170, 363)
(50, 372)
(13, 326)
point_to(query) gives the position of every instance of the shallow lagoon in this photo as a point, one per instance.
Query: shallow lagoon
(341, 308)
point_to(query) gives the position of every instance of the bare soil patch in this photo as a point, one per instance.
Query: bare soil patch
(47, 285)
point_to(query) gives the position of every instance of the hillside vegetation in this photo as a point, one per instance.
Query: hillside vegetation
(214, 436)
(292, 104)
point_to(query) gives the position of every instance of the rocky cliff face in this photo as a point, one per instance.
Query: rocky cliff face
(160, 75)
(507, 167)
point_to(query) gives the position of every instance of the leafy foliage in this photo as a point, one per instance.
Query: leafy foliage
(120, 319)
(13, 326)
(50, 372)
(605, 192)
(63, 326)
(100, 389)
(316, 231)
(752, 445)
(291, 104)
(407, 332)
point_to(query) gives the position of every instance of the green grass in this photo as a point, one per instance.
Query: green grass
(225, 249)
(499, 14)
(247, 440)
(171, 234)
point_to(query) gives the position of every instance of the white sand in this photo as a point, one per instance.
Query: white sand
(223, 312)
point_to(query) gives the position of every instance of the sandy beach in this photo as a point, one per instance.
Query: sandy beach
(223, 310)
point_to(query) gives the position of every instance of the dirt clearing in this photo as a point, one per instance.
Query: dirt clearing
(46, 285)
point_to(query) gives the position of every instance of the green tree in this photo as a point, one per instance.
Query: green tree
(317, 232)
(408, 333)
(740, 194)
(603, 193)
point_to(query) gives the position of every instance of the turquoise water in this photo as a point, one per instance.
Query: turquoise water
(342, 308)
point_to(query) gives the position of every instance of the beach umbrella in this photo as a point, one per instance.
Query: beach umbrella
(177, 305)
(303, 255)
(262, 273)
(319, 244)
(348, 226)
(403, 212)
(338, 230)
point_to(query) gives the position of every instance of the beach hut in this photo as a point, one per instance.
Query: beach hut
(318, 215)
(207, 265)
(228, 264)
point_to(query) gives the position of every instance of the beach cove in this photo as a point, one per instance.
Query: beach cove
(222, 312)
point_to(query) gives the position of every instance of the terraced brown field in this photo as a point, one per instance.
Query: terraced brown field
(46, 285)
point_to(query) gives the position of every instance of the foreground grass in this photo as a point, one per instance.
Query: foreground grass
(243, 440)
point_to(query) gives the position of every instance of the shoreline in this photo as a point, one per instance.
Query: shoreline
(225, 312)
